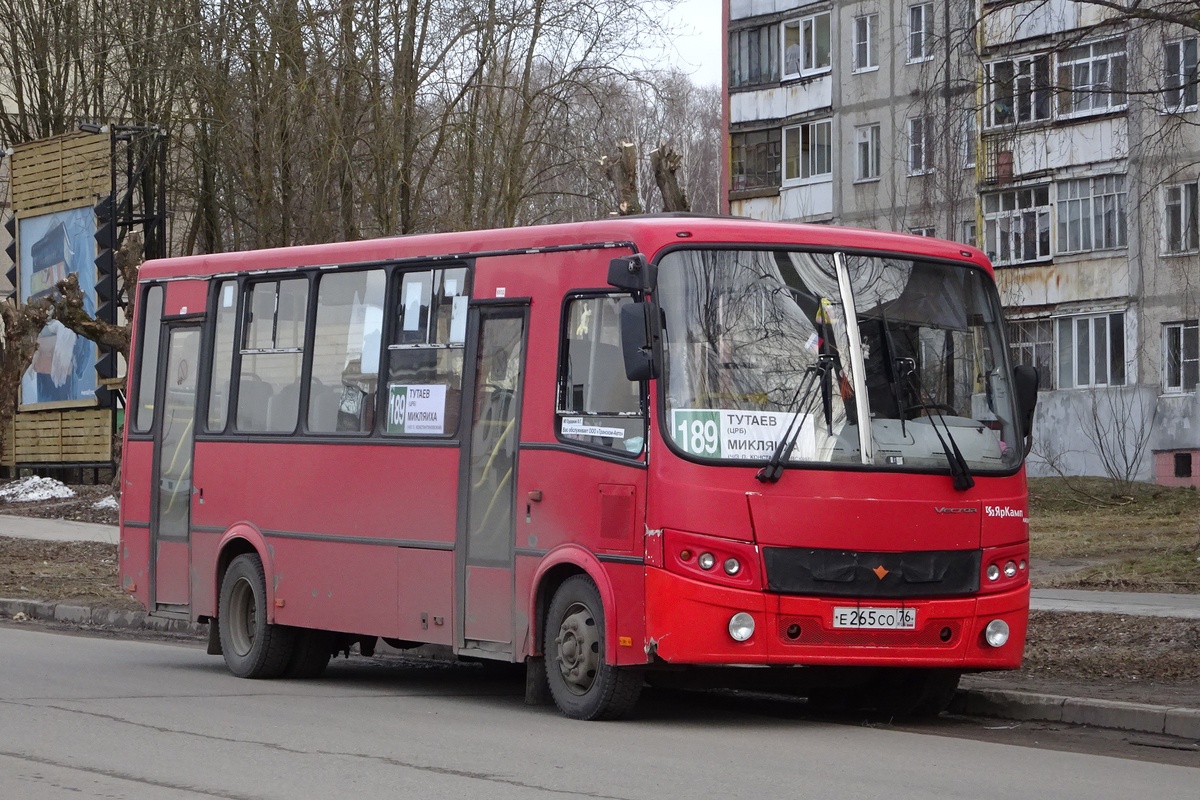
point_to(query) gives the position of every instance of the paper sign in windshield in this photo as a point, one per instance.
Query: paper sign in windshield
(745, 435)
(575, 426)
(417, 410)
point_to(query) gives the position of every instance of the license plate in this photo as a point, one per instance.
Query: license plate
(892, 619)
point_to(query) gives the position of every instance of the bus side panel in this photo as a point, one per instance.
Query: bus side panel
(330, 514)
(136, 464)
(629, 587)
(425, 596)
(186, 297)
(134, 560)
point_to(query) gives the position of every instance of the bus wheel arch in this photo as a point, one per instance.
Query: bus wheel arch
(555, 569)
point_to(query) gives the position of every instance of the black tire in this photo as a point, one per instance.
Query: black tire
(582, 684)
(310, 653)
(252, 647)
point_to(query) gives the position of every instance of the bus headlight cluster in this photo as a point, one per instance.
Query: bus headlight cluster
(741, 626)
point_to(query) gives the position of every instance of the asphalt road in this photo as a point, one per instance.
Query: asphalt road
(108, 718)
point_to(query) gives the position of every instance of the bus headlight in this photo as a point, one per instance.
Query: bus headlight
(706, 561)
(732, 567)
(996, 632)
(741, 626)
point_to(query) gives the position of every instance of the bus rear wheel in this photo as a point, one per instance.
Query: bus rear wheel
(253, 648)
(582, 684)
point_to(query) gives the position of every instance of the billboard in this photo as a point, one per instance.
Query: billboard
(50, 247)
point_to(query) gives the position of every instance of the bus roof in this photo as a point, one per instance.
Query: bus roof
(648, 234)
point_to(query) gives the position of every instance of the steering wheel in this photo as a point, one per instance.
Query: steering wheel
(912, 412)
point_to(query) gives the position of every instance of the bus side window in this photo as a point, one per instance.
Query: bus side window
(222, 356)
(425, 356)
(272, 353)
(597, 404)
(143, 403)
(345, 367)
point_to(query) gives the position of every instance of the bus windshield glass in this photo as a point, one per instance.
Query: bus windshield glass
(758, 350)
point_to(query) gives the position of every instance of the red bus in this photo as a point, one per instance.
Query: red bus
(635, 449)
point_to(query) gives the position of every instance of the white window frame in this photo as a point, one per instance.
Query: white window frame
(1181, 213)
(1085, 349)
(1180, 92)
(808, 159)
(1031, 342)
(1092, 78)
(968, 232)
(1091, 214)
(1027, 100)
(806, 53)
(866, 28)
(867, 162)
(920, 145)
(1011, 219)
(919, 32)
(1177, 336)
(923, 230)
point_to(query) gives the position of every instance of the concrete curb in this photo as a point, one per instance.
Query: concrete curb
(98, 617)
(1000, 703)
(1138, 717)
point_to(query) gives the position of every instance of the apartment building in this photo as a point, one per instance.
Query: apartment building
(1054, 135)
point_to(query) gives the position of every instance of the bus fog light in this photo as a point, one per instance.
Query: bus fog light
(993, 572)
(1010, 569)
(732, 567)
(996, 632)
(741, 626)
(706, 560)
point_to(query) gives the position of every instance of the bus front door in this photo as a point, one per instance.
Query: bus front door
(487, 479)
(171, 499)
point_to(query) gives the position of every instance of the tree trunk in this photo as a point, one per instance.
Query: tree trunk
(622, 171)
(665, 162)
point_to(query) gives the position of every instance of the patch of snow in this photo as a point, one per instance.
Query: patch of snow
(107, 502)
(33, 488)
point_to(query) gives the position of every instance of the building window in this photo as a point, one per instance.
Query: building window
(808, 151)
(754, 56)
(1091, 78)
(1091, 351)
(1179, 75)
(968, 139)
(1016, 225)
(927, 230)
(1183, 233)
(967, 233)
(1181, 356)
(806, 45)
(1183, 465)
(864, 43)
(920, 145)
(866, 146)
(1018, 90)
(1091, 214)
(1031, 342)
(754, 159)
(920, 31)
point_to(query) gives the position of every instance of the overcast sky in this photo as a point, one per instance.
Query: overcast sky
(697, 48)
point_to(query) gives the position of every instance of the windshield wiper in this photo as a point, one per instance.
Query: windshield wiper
(959, 471)
(816, 375)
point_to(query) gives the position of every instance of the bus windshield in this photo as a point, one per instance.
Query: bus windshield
(770, 345)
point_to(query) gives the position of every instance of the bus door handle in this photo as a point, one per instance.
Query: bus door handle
(535, 496)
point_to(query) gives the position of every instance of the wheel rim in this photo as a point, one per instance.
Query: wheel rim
(578, 644)
(243, 617)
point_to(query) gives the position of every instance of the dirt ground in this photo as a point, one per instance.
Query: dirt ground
(1139, 659)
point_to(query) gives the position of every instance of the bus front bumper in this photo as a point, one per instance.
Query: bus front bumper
(688, 622)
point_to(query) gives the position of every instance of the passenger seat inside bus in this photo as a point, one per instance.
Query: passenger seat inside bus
(254, 399)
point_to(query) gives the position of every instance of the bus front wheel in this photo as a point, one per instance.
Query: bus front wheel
(253, 648)
(582, 684)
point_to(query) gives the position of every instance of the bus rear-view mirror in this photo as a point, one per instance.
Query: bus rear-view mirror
(639, 333)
